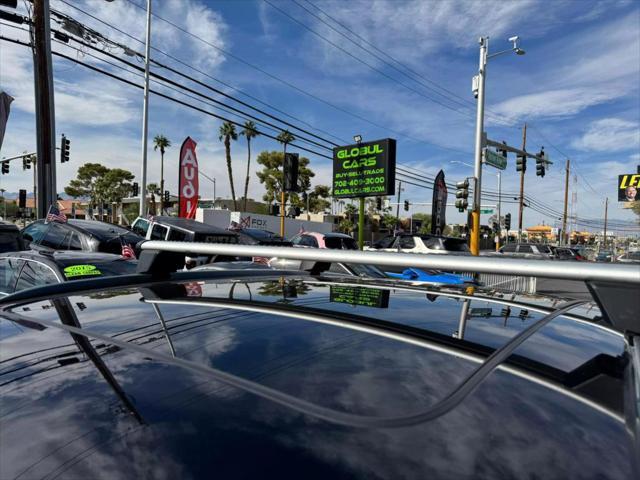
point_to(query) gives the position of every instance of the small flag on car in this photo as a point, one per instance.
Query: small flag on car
(127, 251)
(54, 215)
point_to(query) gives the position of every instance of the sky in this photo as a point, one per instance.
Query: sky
(399, 69)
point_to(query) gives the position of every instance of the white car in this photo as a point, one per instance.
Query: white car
(408, 243)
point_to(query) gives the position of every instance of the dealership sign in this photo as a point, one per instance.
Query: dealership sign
(365, 169)
(629, 187)
(188, 179)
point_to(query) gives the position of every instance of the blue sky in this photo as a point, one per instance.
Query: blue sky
(578, 87)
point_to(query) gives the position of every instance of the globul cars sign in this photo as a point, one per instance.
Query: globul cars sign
(365, 169)
(629, 187)
(188, 179)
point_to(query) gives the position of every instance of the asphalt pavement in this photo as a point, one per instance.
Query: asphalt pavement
(563, 288)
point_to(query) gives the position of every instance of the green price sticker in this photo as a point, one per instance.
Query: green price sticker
(81, 271)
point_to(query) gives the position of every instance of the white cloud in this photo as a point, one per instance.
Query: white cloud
(610, 135)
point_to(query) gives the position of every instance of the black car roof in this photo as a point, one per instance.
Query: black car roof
(180, 378)
(63, 257)
(192, 225)
(8, 227)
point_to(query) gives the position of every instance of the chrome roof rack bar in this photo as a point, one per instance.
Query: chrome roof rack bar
(581, 271)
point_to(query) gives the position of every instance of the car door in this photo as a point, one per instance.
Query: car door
(9, 270)
(36, 274)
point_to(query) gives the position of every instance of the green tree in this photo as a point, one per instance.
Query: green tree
(426, 222)
(389, 221)
(345, 225)
(87, 182)
(318, 198)
(249, 131)
(161, 142)
(271, 176)
(285, 137)
(227, 133)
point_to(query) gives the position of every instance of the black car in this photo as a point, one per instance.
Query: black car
(82, 235)
(256, 236)
(268, 374)
(10, 238)
(32, 268)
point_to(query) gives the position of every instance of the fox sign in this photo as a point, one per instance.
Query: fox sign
(188, 179)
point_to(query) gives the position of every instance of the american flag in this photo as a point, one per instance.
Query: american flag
(127, 251)
(54, 215)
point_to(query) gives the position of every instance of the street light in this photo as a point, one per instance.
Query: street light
(478, 86)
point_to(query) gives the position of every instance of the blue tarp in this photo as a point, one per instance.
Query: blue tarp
(417, 275)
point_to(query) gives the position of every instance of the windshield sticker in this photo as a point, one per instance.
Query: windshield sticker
(81, 271)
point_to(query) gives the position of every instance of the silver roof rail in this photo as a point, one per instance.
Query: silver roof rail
(581, 271)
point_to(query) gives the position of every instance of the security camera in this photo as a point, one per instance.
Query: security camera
(514, 39)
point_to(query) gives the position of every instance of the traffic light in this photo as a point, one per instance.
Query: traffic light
(26, 163)
(5, 167)
(290, 172)
(64, 149)
(462, 194)
(502, 151)
(406, 205)
(540, 168)
(275, 210)
(22, 198)
(507, 221)
(521, 163)
(378, 203)
(135, 189)
(167, 196)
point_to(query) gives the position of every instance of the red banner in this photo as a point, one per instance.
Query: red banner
(188, 179)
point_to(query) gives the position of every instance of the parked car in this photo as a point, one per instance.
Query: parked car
(605, 256)
(181, 230)
(10, 238)
(410, 243)
(629, 257)
(567, 253)
(81, 235)
(540, 251)
(287, 375)
(32, 268)
(334, 241)
(256, 236)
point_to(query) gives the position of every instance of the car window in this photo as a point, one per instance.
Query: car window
(338, 268)
(9, 241)
(338, 243)
(525, 249)
(74, 241)
(308, 241)
(510, 248)
(455, 245)
(35, 232)
(34, 274)
(177, 235)
(407, 242)
(54, 238)
(9, 269)
(386, 242)
(140, 227)
(158, 232)
(432, 242)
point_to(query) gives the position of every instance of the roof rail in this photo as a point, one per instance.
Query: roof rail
(581, 271)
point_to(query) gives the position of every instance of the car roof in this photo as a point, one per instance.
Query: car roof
(192, 225)
(97, 229)
(63, 257)
(8, 227)
(211, 383)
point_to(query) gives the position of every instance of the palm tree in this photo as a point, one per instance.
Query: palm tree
(161, 142)
(249, 131)
(227, 133)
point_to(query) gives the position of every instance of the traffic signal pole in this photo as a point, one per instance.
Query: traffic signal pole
(479, 145)
(145, 117)
(44, 111)
(521, 208)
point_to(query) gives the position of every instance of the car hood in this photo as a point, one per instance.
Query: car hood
(135, 394)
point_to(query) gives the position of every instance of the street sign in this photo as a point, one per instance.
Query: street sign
(486, 211)
(494, 159)
(364, 169)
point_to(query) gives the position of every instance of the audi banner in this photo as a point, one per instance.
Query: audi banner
(188, 179)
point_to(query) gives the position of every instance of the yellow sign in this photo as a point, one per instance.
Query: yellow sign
(81, 271)
(628, 186)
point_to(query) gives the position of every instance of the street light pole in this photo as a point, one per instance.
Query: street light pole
(145, 118)
(479, 145)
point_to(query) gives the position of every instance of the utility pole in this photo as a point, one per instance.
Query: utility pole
(35, 188)
(398, 207)
(282, 200)
(564, 238)
(479, 145)
(499, 211)
(606, 208)
(145, 118)
(44, 108)
(521, 208)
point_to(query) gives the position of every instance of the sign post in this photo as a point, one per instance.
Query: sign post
(364, 170)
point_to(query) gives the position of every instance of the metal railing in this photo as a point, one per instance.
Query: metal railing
(581, 271)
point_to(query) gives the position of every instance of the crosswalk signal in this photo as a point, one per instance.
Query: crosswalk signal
(65, 146)
(462, 194)
(507, 221)
(540, 168)
(5, 167)
(26, 163)
(521, 163)
(406, 205)
(135, 189)
(166, 196)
